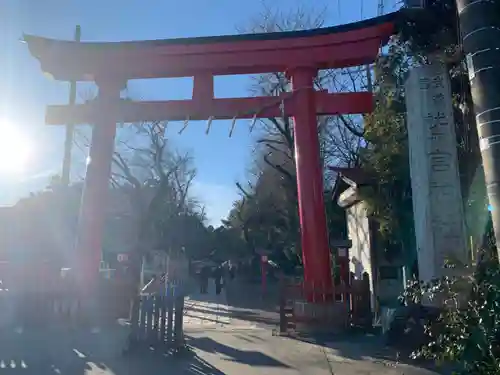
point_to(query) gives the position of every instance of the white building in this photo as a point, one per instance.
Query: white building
(367, 255)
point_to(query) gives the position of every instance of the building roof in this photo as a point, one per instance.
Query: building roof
(352, 176)
(349, 178)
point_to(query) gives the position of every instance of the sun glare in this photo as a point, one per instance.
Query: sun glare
(15, 149)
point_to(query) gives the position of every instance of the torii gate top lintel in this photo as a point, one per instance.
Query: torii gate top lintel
(330, 47)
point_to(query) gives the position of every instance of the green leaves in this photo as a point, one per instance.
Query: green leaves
(385, 158)
(468, 329)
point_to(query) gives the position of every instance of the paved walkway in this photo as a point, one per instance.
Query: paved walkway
(258, 352)
(249, 302)
(212, 311)
(235, 339)
(219, 342)
(213, 352)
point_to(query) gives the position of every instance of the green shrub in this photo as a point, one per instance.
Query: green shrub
(467, 332)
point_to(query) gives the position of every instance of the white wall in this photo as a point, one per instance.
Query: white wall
(361, 256)
(359, 233)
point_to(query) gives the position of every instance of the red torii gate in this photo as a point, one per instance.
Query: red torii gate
(300, 54)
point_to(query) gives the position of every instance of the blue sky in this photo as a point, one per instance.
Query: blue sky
(25, 91)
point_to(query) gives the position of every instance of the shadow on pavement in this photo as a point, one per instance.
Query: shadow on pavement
(63, 351)
(249, 315)
(245, 295)
(198, 366)
(358, 346)
(244, 301)
(251, 358)
(205, 318)
(210, 297)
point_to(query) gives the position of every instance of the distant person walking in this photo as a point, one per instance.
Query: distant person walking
(203, 278)
(217, 275)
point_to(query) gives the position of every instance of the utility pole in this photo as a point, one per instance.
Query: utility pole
(368, 67)
(380, 8)
(480, 31)
(70, 128)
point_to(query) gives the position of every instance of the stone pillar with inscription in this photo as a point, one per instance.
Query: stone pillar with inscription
(437, 199)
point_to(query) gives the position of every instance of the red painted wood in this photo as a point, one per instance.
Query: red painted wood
(40, 46)
(94, 197)
(154, 65)
(203, 88)
(326, 57)
(145, 59)
(178, 110)
(314, 233)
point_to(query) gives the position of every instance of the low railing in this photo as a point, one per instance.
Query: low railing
(155, 319)
(69, 306)
(158, 321)
(334, 308)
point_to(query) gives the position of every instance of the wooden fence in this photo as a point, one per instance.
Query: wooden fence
(158, 321)
(316, 308)
(32, 294)
(361, 309)
(67, 306)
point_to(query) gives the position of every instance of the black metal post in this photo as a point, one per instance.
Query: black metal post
(179, 318)
(480, 30)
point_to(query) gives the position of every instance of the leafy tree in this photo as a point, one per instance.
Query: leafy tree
(157, 210)
(159, 180)
(45, 224)
(385, 157)
(226, 243)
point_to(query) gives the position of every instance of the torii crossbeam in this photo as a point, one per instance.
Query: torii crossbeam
(300, 54)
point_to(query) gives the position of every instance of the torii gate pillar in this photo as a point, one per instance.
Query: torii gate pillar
(314, 233)
(88, 246)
